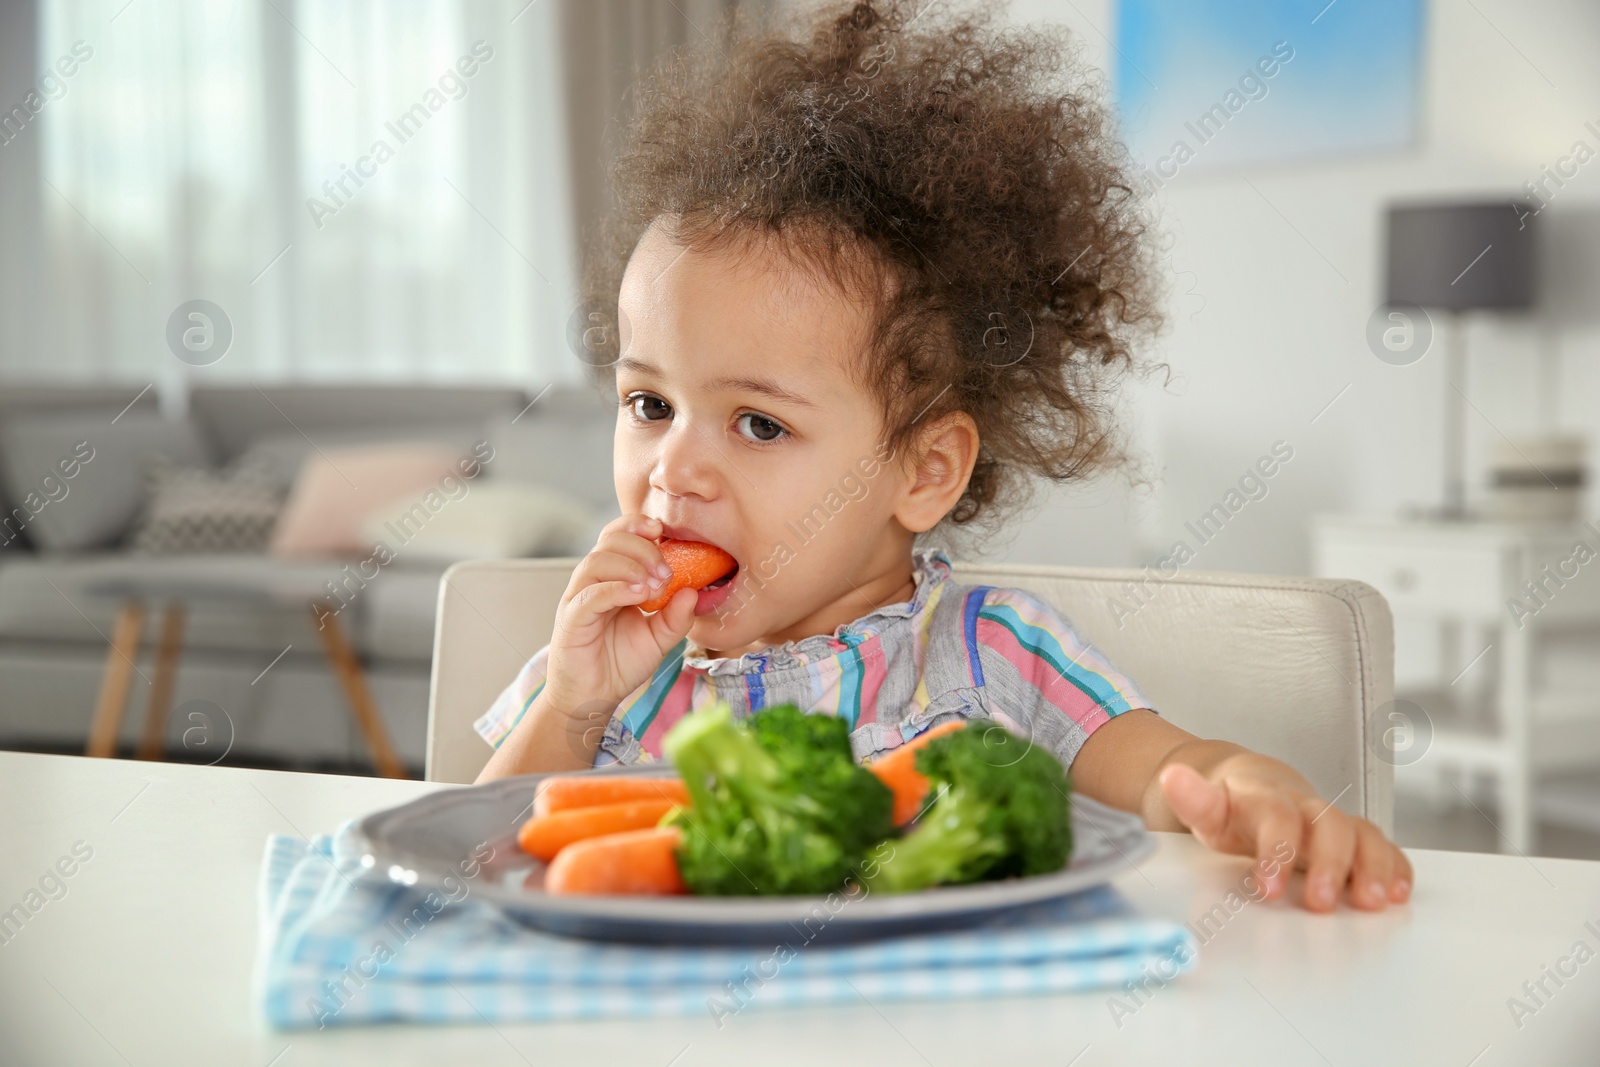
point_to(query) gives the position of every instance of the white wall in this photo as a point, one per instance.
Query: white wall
(1280, 333)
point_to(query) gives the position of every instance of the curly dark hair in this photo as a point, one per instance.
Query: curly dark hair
(978, 168)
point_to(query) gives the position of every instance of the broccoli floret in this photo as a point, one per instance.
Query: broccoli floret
(1001, 809)
(786, 729)
(814, 752)
(776, 807)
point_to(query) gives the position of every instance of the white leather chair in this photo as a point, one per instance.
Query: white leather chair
(1292, 667)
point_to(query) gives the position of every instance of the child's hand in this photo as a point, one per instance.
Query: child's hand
(1246, 806)
(602, 649)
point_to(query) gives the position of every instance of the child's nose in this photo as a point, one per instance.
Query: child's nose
(690, 463)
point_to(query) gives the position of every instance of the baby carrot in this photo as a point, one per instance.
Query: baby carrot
(593, 790)
(694, 564)
(898, 771)
(634, 861)
(545, 835)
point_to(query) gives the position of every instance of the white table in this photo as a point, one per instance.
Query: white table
(147, 958)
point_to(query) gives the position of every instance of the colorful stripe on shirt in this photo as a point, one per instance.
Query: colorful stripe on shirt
(1052, 659)
(678, 702)
(969, 629)
(638, 714)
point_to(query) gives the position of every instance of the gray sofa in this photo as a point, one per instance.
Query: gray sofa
(54, 628)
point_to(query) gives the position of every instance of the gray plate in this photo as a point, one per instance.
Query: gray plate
(445, 834)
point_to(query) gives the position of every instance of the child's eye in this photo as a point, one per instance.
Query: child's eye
(761, 428)
(647, 407)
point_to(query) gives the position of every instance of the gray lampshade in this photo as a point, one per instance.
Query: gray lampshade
(1461, 256)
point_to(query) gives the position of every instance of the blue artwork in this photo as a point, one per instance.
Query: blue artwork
(1201, 84)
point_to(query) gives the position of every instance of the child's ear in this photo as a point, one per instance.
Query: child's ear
(941, 464)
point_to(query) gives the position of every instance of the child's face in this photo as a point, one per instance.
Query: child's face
(739, 424)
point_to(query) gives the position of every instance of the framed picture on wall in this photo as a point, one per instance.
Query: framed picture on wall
(1216, 84)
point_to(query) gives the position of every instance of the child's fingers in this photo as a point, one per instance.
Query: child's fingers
(1331, 849)
(628, 543)
(674, 619)
(605, 566)
(1374, 868)
(1198, 804)
(593, 603)
(1272, 821)
(1400, 888)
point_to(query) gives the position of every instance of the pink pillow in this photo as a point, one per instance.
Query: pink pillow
(337, 488)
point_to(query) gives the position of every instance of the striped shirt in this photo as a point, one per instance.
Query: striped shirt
(951, 651)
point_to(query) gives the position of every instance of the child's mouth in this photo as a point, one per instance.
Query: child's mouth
(716, 593)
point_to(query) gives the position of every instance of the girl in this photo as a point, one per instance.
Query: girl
(869, 278)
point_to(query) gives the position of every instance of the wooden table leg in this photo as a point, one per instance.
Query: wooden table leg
(362, 707)
(114, 681)
(153, 747)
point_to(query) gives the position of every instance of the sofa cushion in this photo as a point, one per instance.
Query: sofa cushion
(196, 510)
(94, 505)
(492, 520)
(31, 400)
(337, 490)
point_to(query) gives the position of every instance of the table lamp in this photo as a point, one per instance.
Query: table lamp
(1456, 258)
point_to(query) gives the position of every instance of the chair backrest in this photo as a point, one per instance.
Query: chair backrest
(1296, 668)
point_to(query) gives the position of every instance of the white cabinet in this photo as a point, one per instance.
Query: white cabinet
(1495, 590)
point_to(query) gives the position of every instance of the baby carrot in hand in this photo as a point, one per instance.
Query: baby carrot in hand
(694, 564)
(898, 771)
(593, 790)
(632, 862)
(545, 835)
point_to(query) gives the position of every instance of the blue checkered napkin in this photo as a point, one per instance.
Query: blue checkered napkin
(342, 944)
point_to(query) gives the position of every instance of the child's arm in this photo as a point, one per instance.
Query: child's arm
(1238, 801)
(547, 739)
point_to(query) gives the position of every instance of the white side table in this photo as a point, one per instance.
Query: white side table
(1473, 579)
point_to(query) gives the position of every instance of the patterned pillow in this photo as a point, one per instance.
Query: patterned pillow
(190, 509)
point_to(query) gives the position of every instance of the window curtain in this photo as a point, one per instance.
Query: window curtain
(369, 191)
(607, 44)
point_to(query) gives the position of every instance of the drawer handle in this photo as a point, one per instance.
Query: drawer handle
(1404, 578)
